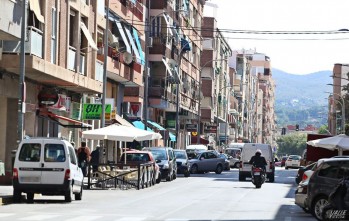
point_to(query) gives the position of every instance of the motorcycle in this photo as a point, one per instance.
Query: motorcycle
(337, 207)
(258, 176)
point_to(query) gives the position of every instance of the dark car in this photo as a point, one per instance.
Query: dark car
(166, 160)
(182, 162)
(323, 181)
(207, 161)
(301, 171)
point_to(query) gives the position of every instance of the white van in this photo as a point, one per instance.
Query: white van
(247, 152)
(47, 166)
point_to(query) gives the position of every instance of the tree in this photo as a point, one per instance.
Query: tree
(323, 130)
(292, 144)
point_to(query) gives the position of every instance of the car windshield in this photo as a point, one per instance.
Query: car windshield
(159, 154)
(294, 157)
(222, 156)
(135, 157)
(180, 154)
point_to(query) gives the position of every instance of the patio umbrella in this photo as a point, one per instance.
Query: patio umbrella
(339, 142)
(119, 132)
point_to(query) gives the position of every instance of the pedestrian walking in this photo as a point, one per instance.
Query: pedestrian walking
(84, 156)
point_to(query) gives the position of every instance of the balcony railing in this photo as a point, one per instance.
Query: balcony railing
(33, 45)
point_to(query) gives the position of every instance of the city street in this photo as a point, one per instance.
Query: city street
(199, 197)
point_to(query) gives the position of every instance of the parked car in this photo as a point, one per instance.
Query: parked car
(135, 157)
(283, 161)
(207, 161)
(301, 171)
(165, 158)
(323, 181)
(182, 160)
(47, 166)
(227, 163)
(293, 161)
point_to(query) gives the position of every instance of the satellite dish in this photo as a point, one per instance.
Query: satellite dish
(127, 57)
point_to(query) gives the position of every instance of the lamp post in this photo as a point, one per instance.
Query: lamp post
(217, 133)
(343, 110)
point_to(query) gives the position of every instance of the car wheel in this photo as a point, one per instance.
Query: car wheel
(30, 197)
(318, 205)
(286, 168)
(158, 180)
(174, 176)
(271, 178)
(17, 196)
(194, 169)
(219, 169)
(237, 165)
(69, 194)
(186, 173)
(241, 177)
(78, 195)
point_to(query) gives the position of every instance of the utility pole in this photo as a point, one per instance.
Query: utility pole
(105, 64)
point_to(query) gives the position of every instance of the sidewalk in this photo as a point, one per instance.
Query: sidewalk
(6, 194)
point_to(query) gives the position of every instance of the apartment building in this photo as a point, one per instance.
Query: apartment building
(337, 111)
(64, 59)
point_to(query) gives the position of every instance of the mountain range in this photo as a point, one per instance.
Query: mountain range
(301, 99)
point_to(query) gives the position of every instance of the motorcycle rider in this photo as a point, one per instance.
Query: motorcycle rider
(258, 160)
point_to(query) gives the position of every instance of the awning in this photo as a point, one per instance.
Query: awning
(112, 39)
(139, 124)
(88, 36)
(58, 119)
(168, 68)
(122, 121)
(138, 42)
(123, 36)
(35, 7)
(133, 45)
(172, 136)
(195, 138)
(169, 30)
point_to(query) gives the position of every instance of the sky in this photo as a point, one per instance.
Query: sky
(291, 56)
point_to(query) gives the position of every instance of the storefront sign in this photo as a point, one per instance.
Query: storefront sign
(94, 112)
(210, 129)
(48, 97)
(191, 127)
(170, 123)
(63, 103)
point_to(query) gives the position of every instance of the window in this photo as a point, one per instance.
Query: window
(211, 155)
(72, 156)
(30, 152)
(54, 153)
(54, 36)
(329, 171)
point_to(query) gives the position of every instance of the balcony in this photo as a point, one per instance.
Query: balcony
(33, 46)
(160, 98)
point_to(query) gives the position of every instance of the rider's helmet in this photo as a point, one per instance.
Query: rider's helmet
(258, 152)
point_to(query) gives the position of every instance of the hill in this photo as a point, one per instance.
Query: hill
(301, 99)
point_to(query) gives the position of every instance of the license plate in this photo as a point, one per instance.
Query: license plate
(294, 165)
(30, 179)
(257, 173)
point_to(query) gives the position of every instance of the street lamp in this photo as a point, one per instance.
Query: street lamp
(343, 109)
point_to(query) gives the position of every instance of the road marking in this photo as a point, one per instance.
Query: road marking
(130, 218)
(40, 217)
(85, 218)
(288, 218)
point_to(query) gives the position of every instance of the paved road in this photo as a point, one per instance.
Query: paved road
(199, 197)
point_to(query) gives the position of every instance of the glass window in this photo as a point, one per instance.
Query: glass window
(54, 153)
(328, 170)
(72, 156)
(159, 154)
(211, 156)
(30, 152)
(180, 155)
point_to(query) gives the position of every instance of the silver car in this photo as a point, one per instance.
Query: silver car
(207, 161)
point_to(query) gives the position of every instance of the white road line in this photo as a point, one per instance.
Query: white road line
(84, 218)
(130, 218)
(39, 217)
(288, 218)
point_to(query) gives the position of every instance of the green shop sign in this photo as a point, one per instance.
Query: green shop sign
(94, 111)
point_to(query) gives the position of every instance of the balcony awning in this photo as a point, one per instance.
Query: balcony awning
(139, 124)
(88, 36)
(138, 42)
(133, 45)
(168, 68)
(122, 121)
(112, 39)
(35, 7)
(172, 136)
(123, 36)
(59, 119)
(169, 29)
